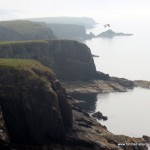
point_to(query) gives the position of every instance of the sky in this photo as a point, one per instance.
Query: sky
(98, 9)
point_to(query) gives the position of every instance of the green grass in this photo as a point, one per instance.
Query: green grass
(25, 64)
(23, 42)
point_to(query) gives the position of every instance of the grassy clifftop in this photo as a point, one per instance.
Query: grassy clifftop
(32, 66)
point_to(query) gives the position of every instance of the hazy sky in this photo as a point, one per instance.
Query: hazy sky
(100, 9)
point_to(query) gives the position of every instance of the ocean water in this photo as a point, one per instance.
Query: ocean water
(126, 56)
(129, 57)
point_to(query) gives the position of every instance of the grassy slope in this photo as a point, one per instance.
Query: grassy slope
(26, 64)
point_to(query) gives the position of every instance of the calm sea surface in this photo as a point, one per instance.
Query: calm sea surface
(129, 57)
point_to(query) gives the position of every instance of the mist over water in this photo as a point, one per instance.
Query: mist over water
(128, 57)
(124, 56)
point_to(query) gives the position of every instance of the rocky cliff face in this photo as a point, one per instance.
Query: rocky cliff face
(38, 115)
(70, 60)
(24, 30)
(33, 102)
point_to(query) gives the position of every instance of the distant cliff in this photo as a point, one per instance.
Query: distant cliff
(68, 31)
(71, 60)
(110, 34)
(24, 30)
(85, 21)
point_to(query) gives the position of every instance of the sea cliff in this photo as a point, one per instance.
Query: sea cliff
(38, 114)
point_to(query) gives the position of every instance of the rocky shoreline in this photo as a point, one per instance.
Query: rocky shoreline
(114, 84)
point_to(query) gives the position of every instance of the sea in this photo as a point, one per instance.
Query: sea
(125, 57)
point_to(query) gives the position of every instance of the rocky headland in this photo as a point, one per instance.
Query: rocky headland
(36, 113)
(110, 34)
(70, 60)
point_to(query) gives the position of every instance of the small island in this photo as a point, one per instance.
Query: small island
(109, 34)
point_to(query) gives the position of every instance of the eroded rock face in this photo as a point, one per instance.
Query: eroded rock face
(34, 106)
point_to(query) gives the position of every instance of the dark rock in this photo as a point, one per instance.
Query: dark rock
(94, 55)
(147, 138)
(102, 76)
(98, 115)
(4, 145)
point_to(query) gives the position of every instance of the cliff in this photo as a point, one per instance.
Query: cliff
(37, 113)
(33, 102)
(70, 60)
(24, 30)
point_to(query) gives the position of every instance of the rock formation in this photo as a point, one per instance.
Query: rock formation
(109, 34)
(38, 115)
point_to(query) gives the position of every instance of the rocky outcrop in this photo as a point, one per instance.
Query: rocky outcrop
(93, 87)
(110, 34)
(142, 83)
(24, 30)
(98, 115)
(38, 114)
(70, 60)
